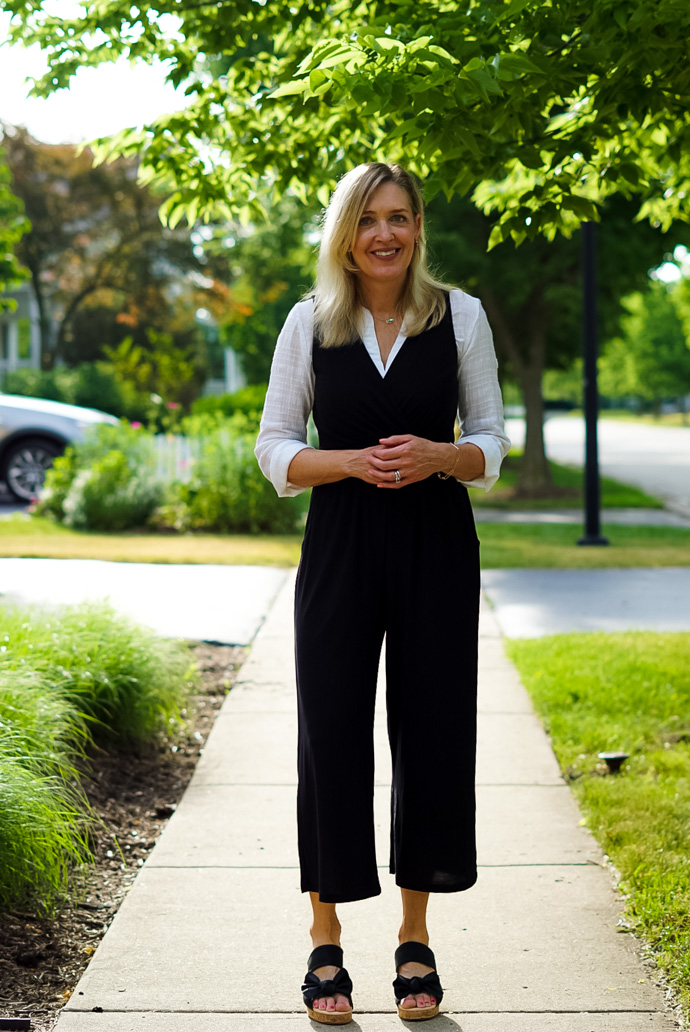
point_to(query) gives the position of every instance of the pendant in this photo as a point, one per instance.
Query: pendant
(392, 319)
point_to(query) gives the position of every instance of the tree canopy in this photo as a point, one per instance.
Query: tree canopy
(550, 107)
(13, 224)
(101, 264)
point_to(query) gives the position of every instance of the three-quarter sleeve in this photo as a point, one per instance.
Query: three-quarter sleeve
(480, 404)
(289, 400)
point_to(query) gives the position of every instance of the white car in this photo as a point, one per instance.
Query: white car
(32, 432)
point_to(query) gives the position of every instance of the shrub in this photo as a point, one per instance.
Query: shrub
(56, 486)
(91, 384)
(124, 682)
(249, 400)
(68, 680)
(227, 492)
(53, 384)
(109, 496)
(106, 482)
(43, 835)
(43, 817)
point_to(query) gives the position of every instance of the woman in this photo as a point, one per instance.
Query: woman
(385, 357)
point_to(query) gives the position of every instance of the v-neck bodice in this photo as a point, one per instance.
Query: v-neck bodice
(357, 401)
(371, 343)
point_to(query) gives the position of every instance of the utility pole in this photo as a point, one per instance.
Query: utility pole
(592, 529)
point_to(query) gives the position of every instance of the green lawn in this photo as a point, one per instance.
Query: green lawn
(631, 693)
(550, 545)
(35, 536)
(666, 419)
(503, 545)
(568, 482)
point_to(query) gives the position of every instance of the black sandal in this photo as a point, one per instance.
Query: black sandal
(315, 988)
(416, 953)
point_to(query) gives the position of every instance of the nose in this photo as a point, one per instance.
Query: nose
(383, 230)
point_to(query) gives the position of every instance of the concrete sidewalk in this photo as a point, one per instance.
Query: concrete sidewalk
(213, 934)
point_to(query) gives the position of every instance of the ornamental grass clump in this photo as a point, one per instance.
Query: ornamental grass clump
(125, 681)
(43, 815)
(69, 680)
(43, 834)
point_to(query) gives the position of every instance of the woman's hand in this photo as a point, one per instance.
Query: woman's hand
(416, 458)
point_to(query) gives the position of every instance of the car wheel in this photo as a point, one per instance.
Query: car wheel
(25, 464)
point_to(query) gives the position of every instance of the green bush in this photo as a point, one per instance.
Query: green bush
(124, 681)
(249, 400)
(106, 482)
(91, 384)
(227, 492)
(109, 496)
(43, 836)
(57, 484)
(109, 482)
(53, 384)
(69, 680)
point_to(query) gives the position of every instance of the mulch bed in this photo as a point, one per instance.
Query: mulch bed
(42, 959)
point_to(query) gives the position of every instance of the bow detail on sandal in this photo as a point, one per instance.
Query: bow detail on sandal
(314, 988)
(416, 953)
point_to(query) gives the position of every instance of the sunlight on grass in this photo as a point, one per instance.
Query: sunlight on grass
(569, 483)
(627, 692)
(32, 537)
(554, 546)
(540, 545)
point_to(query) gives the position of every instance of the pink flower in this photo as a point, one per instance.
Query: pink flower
(135, 425)
(173, 404)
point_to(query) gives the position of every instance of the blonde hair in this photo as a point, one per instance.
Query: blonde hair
(336, 295)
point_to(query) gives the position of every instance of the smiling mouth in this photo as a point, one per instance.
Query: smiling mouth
(385, 254)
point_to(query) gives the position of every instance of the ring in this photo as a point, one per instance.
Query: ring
(398, 478)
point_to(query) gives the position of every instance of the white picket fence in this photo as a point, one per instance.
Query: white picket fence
(176, 456)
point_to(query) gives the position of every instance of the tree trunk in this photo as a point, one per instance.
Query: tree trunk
(534, 478)
(67, 317)
(44, 320)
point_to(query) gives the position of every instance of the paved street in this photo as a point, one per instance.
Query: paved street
(532, 603)
(654, 458)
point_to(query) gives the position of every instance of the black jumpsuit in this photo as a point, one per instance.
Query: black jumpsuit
(404, 563)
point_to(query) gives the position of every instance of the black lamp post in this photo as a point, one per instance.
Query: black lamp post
(592, 534)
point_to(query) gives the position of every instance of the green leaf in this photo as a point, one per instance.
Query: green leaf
(581, 206)
(290, 89)
(495, 237)
(630, 172)
(514, 64)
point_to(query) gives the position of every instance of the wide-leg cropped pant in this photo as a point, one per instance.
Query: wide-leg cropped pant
(403, 564)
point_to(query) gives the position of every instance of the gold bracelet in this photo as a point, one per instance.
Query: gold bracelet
(447, 476)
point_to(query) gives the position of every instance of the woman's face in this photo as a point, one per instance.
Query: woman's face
(386, 235)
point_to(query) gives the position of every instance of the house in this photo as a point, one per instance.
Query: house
(20, 340)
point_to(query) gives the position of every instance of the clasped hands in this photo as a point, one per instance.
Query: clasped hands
(415, 458)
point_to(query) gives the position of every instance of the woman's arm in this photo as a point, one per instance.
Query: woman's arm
(282, 451)
(311, 467)
(289, 399)
(479, 395)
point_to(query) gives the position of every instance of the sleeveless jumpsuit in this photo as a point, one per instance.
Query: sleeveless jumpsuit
(404, 563)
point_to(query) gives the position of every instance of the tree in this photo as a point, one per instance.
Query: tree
(13, 224)
(533, 297)
(651, 358)
(268, 266)
(541, 112)
(562, 104)
(99, 259)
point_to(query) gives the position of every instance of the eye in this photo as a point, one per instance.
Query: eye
(365, 220)
(400, 218)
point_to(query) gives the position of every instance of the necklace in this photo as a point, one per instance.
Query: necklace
(390, 320)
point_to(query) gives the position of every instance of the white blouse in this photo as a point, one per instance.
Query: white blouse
(290, 396)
